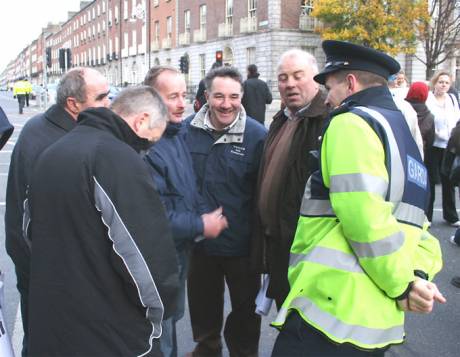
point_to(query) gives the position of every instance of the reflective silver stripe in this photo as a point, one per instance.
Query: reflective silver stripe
(339, 329)
(126, 248)
(378, 248)
(358, 182)
(329, 257)
(26, 223)
(397, 179)
(409, 213)
(314, 207)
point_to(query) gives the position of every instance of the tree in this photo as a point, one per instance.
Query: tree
(384, 25)
(441, 33)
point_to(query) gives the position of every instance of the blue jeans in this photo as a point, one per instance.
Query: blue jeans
(168, 339)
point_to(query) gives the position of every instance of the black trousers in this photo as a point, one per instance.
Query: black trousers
(21, 102)
(206, 287)
(433, 162)
(298, 339)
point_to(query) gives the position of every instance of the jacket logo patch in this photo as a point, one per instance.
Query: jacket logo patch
(416, 172)
(238, 150)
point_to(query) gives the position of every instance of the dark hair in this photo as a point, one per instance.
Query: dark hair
(226, 71)
(72, 84)
(252, 70)
(152, 75)
(367, 79)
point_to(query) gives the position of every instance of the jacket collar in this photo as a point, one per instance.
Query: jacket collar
(58, 116)
(314, 109)
(106, 120)
(379, 96)
(234, 134)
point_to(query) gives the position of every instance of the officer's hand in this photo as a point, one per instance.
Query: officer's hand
(422, 297)
(214, 223)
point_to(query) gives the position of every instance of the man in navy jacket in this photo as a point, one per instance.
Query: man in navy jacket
(226, 147)
(171, 167)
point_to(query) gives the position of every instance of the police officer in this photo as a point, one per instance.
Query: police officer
(19, 92)
(360, 256)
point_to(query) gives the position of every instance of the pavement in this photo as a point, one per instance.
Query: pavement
(430, 335)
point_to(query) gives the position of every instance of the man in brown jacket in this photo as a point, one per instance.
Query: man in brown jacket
(286, 166)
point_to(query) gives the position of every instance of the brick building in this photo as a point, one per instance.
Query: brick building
(123, 38)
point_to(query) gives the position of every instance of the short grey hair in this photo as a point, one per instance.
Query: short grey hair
(134, 100)
(304, 56)
(72, 84)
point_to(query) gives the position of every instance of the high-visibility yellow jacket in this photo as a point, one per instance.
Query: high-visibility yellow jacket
(19, 88)
(360, 235)
(28, 86)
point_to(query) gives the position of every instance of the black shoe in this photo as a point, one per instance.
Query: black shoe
(456, 281)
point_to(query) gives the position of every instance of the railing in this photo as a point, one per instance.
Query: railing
(154, 46)
(184, 39)
(248, 24)
(166, 43)
(199, 35)
(225, 29)
(308, 23)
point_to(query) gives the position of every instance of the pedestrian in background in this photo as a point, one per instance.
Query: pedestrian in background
(360, 256)
(286, 165)
(256, 95)
(446, 113)
(104, 274)
(28, 86)
(19, 92)
(417, 96)
(226, 147)
(78, 89)
(171, 167)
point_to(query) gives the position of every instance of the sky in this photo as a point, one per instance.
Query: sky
(21, 22)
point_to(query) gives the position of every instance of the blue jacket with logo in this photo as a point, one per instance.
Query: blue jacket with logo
(226, 170)
(170, 165)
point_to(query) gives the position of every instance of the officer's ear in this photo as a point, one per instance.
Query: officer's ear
(352, 83)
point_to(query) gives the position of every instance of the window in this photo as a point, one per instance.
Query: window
(252, 8)
(169, 27)
(125, 10)
(202, 65)
(156, 34)
(103, 7)
(98, 9)
(203, 18)
(187, 21)
(250, 55)
(229, 11)
(306, 7)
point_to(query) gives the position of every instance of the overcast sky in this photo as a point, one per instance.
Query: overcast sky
(21, 22)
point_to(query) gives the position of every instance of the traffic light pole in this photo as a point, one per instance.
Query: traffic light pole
(45, 68)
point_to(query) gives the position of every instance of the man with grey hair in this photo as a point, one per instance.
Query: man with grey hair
(285, 167)
(78, 89)
(103, 275)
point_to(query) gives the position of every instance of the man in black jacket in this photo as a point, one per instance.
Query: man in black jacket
(104, 271)
(256, 95)
(78, 89)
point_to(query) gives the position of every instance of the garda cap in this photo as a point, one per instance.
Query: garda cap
(345, 55)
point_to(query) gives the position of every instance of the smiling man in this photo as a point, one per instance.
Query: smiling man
(226, 147)
(171, 167)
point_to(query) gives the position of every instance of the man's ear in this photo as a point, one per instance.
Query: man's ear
(73, 106)
(351, 82)
(206, 95)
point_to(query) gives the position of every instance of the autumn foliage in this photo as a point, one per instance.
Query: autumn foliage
(390, 26)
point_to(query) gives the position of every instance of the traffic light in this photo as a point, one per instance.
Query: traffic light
(69, 58)
(183, 64)
(219, 57)
(48, 56)
(62, 58)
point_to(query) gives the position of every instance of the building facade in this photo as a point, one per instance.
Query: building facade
(123, 38)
